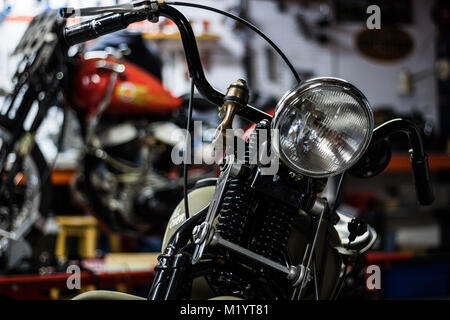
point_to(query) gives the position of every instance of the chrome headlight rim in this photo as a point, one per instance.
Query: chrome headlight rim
(283, 108)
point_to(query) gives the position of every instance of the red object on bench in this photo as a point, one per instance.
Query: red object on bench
(379, 257)
(36, 287)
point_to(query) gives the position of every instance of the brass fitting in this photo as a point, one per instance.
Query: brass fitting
(237, 96)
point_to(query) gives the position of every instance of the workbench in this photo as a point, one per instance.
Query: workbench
(121, 271)
(38, 287)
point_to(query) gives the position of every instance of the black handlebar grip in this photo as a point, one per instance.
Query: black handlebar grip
(95, 28)
(422, 181)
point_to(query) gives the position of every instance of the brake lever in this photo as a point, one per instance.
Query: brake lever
(422, 180)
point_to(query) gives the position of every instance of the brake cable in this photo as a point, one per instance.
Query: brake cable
(261, 34)
(247, 24)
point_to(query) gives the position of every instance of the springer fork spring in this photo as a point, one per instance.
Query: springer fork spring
(271, 239)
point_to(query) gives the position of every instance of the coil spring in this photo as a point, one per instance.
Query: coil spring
(234, 212)
(271, 237)
(254, 143)
(235, 207)
(271, 240)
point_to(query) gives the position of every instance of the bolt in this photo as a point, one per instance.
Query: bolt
(196, 231)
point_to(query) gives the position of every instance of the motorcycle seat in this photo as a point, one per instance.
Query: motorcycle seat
(361, 243)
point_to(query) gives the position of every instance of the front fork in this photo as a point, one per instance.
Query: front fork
(173, 263)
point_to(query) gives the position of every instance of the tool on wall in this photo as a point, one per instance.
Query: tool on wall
(407, 78)
(316, 29)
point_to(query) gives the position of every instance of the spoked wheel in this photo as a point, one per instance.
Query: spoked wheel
(24, 195)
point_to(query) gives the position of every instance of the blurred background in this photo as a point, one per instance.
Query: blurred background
(403, 69)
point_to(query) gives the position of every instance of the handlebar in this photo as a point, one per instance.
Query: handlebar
(92, 29)
(419, 160)
(95, 28)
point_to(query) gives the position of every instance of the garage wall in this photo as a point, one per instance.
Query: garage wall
(378, 81)
(225, 55)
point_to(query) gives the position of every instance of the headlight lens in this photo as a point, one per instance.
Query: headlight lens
(324, 126)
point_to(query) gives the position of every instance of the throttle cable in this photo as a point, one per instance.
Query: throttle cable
(249, 25)
(261, 34)
(187, 147)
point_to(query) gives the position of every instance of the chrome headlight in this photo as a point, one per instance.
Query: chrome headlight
(322, 127)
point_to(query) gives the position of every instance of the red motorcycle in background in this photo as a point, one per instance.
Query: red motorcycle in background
(127, 119)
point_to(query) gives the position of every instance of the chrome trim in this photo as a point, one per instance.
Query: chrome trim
(281, 110)
(106, 65)
(319, 206)
(296, 274)
(218, 240)
(19, 232)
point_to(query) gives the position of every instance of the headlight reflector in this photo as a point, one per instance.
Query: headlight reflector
(323, 127)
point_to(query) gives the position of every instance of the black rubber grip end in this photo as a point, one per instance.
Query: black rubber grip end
(422, 181)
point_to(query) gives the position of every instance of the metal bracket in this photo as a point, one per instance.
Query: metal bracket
(319, 209)
(297, 274)
(202, 232)
(303, 276)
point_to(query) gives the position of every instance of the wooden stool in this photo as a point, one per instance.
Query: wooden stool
(115, 242)
(84, 227)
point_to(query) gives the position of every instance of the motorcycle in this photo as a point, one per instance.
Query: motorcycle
(126, 118)
(262, 230)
